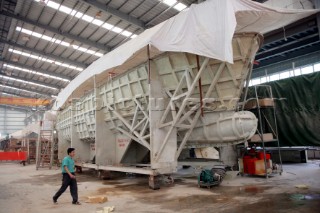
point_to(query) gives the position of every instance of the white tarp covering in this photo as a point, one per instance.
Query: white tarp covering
(205, 29)
(35, 127)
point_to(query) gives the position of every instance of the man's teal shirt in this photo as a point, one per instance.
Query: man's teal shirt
(69, 162)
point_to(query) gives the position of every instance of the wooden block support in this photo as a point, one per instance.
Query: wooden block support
(252, 104)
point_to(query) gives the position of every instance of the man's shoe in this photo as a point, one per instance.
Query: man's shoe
(54, 201)
(76, 203)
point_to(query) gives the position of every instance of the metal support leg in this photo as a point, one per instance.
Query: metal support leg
(154, 182)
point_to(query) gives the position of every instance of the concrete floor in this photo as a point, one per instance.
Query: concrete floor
(25, 190)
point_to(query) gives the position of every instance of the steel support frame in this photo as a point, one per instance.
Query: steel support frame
(132, 127)
(178, 118)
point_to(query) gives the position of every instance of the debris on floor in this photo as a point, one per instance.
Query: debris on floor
(106, 209)
(97, 199)
(302, 186)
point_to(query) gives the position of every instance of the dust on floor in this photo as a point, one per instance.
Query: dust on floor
(26, 190)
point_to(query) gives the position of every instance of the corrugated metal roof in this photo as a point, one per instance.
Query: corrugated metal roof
(43, 22)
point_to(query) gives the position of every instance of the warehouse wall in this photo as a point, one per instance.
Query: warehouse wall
(287, 65)
(11, 119)
(14, 118)
(297, 109)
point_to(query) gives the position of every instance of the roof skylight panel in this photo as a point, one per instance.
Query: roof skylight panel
(180, 6)
(34, 72)
(98, 54)
(91, 52)
(53, 5)
(65, 9)
(4, 86)
(88, 18)
(107, 26)
(4, 93)
(28, 82)
(43, 59)
(169, 2)
(53, 40)
(126, 33)
(97, 22)
(176, 5)
(117, 29)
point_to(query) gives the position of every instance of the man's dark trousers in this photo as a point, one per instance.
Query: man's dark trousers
(68, 181)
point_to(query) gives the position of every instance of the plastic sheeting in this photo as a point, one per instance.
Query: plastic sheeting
(297, 109)
(205, 29)
(26, 131)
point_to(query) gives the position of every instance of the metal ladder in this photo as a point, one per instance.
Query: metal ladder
(45, 149)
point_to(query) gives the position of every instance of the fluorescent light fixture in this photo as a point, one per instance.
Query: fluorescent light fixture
(27, 82)
(48, 38)
(32, 56)
(133, 36)
(169, 2)
(53, 5)
(82, 49)
(4, 86)
(97, 22)
(87, 18)
(78, 14)
(41, 58)
(107, 26)
(29, 32)
(65, 9)
(91, 19)
(91, 52)
(126, 33)
(176, 5)
(98, 54)
(25, 54)
(4, 93)
(65, 43)
(35, 34)
(117, 29)
(75, 47)
(180, 6)
(53, 40)
(8, 66)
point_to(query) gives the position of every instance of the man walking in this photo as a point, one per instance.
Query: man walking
(68, 178)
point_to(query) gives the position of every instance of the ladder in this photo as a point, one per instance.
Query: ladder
(45, 149)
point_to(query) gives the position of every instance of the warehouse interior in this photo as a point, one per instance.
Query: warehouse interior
(152, 131)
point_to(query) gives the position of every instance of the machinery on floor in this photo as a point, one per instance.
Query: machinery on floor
(123, 123)
(254, 163)
(211, 177)
(137, 108)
